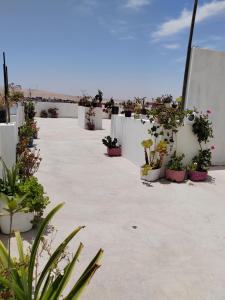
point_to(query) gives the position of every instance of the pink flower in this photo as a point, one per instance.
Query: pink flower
(213, 147)
(209, 111)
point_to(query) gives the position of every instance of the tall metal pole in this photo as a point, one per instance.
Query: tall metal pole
(188, 58)
(6, 88)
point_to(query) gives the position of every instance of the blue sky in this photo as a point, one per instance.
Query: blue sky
(126, 48)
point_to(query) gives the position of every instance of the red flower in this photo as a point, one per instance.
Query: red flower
(213, 147)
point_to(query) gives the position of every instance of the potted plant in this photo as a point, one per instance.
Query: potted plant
(3, 114)
(43, 114)
(27, 132)
(202, 128)
(15, 217)
(128, 108)
(151, 170)
(97, 100)
(199, 166)
(29, 110)
(36, 201)
(109, 107)
(115, 110)
(35, 129)
(167, 100)
(89, 117)
(53, 112)
(113, 149)
(175, 170)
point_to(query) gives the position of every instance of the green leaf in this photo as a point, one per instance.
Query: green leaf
(54, 258)
(67, 274)
(36, 245)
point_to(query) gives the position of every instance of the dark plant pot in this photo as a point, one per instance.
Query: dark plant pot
(35, 135)
(115, 110)
(31, 143)
(91, 126)
(128, 114)
(144, 111)
(3, 115)
(175, 176)
(114, 151)
(197, 176)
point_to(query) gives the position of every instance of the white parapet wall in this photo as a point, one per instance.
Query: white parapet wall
(97, 119)
(65, 110)
(131, 132)
(8, 142)
(17, 114)
(206, 91)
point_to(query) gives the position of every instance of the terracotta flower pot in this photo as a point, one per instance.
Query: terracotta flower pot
(152, 175)
(197, 176)
(176, 176)
(114, 151)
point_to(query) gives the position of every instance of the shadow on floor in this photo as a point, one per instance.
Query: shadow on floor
(28, 236)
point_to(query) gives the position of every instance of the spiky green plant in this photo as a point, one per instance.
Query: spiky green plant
(21, 282)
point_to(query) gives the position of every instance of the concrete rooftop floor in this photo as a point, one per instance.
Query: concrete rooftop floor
(177, 249)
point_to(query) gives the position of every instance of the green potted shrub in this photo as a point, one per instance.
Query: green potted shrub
(128, 108)
(53, 112)
(97, 100)
(36, 201)
(200, 164)
(26, 278)
(27, 131)
(175, 170)
(43, 113)
(154, 156)
(113, 149)
(90, 114)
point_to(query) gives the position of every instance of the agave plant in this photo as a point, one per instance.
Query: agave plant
(22, 282)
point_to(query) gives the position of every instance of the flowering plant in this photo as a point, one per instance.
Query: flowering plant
(153, 157)
(202, 128)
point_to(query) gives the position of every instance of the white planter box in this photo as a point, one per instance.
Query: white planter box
(21, 222)
(153, 175)
(97, 119)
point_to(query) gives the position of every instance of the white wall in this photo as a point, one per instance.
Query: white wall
(131, 132)
(8, 142)
(65, 110)
(206, 90)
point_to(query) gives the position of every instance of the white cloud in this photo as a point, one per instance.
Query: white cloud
(84, 7)
(174, 26)
(135, 4)
(172, 46)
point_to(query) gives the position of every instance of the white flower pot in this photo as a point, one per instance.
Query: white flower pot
(21, 222)
(153, 175)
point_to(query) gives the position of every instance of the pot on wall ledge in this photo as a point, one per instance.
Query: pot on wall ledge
(114, 151)
(197, 175)
(128, 114)
(151, 175)
(21, 222)
(3, 115)
(175, 176)
(115, 110)
(31, 143)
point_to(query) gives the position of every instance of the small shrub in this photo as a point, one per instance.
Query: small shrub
(43, 114)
